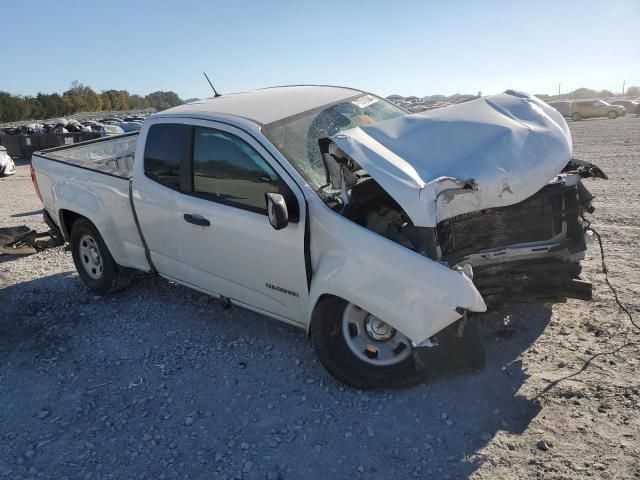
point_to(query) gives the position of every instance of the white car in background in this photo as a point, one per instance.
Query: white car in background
(7, 167)
(331, 209)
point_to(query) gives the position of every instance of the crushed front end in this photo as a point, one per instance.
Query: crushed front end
(488, 188)
(529, 251)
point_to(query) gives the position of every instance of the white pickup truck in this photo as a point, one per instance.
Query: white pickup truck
(334, 210)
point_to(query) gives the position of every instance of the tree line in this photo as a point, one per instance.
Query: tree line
(79, 98)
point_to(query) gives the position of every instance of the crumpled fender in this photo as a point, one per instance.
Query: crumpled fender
(414, 294)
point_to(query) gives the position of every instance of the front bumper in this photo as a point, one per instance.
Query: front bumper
(526, 252)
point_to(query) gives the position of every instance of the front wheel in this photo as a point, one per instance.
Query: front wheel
(361, 350)
(576, 116)
(95, 265)
(612, 115)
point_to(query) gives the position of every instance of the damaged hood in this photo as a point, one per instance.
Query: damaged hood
(491, 152)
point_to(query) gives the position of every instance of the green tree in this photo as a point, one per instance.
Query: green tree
(117, 99)
(163, 100)
(138, 102)
(81, 98)
(52, 105)
(12, 107)
(105, 101)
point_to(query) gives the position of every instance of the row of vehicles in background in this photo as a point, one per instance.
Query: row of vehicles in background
(577, 110)
(126, 124)
(104, 126)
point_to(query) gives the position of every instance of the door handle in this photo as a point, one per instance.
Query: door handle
(197, 219)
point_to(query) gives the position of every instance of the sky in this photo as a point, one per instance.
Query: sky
(386, 47)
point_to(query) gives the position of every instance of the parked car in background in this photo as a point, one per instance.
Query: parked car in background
(130, 126)
(91, 124)
(110, 120)
(595, 108)
(630, 106)
(563, 106)
(111, 130)
(104, 129)
(7, 167)
(134, 119)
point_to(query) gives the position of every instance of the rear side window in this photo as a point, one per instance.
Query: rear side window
(167, 144)
(228, 170)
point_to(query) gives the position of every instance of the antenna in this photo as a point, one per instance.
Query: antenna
(215, 94)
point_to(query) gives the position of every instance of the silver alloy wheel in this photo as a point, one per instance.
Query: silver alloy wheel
(372, 340)
(612, 115)
(90, 257)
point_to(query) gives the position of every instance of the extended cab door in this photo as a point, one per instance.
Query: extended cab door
(157, 183)
(226, 244)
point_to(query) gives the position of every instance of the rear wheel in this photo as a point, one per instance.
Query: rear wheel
(576, 116)
(95, 265)
(612, 115)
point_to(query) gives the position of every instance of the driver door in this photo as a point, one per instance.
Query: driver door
(229, 246)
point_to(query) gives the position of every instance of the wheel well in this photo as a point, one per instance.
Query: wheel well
(314, 312)
(67, 219)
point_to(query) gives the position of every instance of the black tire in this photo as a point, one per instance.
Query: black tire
(576, 117)
(332, 350)
(613, 115)
(109, 275)
(451, 354)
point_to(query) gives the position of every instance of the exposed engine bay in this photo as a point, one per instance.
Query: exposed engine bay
(525, 252)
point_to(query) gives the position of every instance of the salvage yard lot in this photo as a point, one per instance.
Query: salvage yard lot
(161, 382)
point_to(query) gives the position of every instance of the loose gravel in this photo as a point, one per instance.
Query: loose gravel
(162, 382)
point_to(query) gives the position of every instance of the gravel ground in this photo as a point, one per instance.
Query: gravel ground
(162, 382)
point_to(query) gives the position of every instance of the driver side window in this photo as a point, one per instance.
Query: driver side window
(226, 169)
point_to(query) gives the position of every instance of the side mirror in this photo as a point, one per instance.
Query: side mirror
(277, 210)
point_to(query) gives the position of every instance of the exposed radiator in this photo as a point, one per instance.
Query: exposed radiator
(535, 219)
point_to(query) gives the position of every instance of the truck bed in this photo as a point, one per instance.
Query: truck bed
(93, 179)
(111, 155)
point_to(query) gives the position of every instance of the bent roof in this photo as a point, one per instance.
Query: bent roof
(269, 104)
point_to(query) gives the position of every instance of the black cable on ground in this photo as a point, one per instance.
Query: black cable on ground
(586, 364)
(606, 277)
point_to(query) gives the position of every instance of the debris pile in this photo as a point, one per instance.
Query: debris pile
(25, 241)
